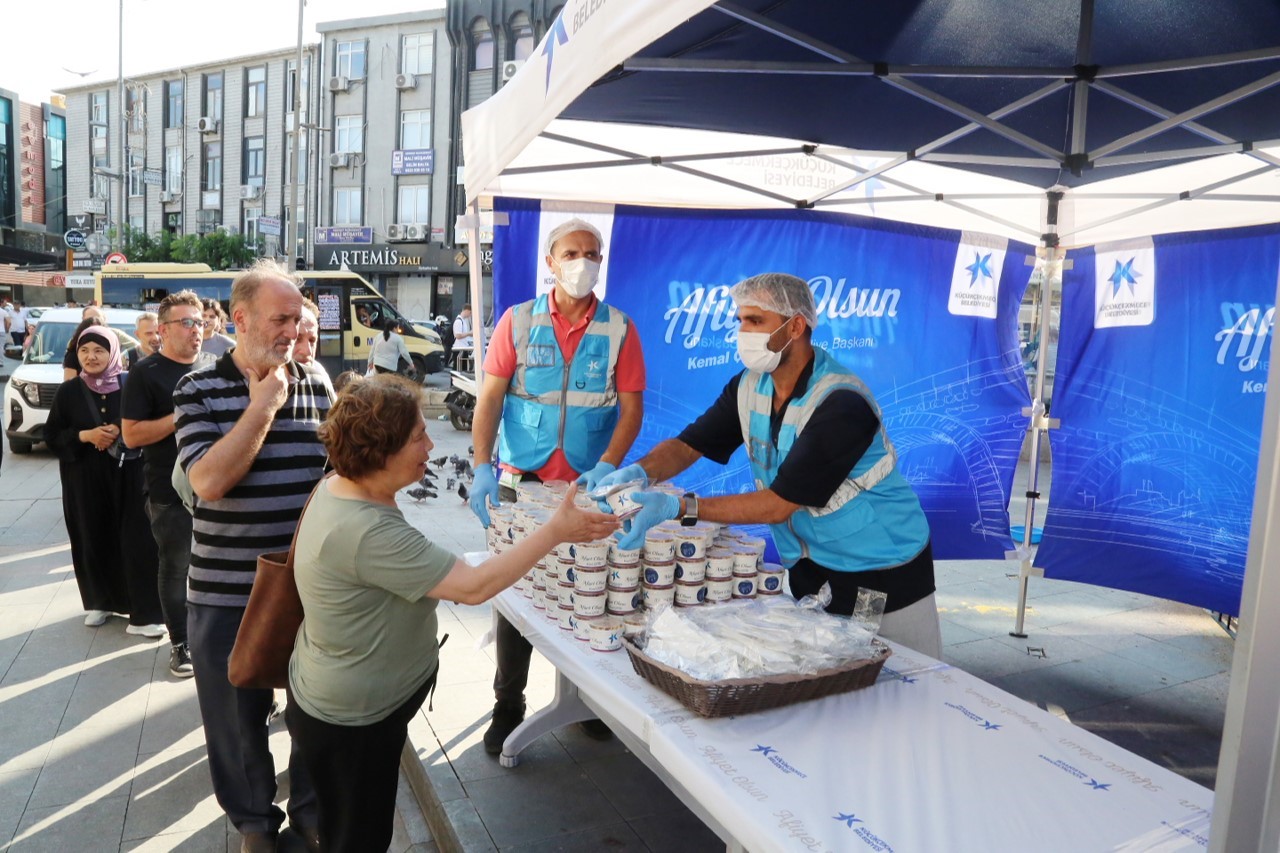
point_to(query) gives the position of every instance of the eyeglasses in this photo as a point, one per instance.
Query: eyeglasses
(187, 323)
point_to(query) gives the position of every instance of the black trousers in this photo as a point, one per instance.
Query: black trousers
(355, 770)
(235, 732)
(171, 528)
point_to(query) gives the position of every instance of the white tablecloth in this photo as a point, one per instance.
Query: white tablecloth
(929, 759)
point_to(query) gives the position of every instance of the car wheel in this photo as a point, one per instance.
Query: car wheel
(435, 362)
(18, 445)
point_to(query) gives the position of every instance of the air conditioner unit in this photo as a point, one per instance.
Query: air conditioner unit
(510, 67)
(167, 197)
(339, 159)
(207, 124)
(406, 81)
(248, 191)
(406, 231)
(339, 84)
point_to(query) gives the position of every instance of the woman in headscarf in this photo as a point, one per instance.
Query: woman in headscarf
(112, 549)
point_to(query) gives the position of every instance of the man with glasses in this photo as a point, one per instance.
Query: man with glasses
(148, 422)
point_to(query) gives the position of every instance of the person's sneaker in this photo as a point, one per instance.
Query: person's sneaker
(595, 729)
(94, 618)
(180, 662)
(150, 631)
(506, 716)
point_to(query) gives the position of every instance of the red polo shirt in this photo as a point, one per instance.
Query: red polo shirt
(500, 360)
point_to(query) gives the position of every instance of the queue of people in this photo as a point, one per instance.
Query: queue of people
(254, 429)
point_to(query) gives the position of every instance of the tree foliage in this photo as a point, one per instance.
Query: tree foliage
(219, 250)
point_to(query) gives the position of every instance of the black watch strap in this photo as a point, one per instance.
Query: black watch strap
(690, 517)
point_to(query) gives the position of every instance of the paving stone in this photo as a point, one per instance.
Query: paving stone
(553, 802)
(93, 825)
(171, 794)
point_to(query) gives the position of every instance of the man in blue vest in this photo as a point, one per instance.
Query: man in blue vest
(826, 476)
(564, 378)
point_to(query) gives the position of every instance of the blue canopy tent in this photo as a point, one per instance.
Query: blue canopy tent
(1065, 123)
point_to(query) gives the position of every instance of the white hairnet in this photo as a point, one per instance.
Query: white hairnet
(569, 227)
(777, 292)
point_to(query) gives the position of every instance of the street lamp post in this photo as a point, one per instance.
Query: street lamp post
(124, 129)
(291, 238)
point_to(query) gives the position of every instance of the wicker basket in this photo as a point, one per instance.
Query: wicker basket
(745, 695)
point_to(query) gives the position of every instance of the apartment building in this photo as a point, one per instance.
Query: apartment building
(386, 181)
(33, 202)
(203, 148)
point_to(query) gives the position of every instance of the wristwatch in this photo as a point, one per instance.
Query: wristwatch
(690, 517)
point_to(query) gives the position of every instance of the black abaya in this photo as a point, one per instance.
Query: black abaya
(104, 505)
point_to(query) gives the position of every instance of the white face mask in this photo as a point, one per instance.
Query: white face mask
(753, 349)
(578, 276)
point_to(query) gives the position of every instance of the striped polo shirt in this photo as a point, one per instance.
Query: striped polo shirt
(260, 512)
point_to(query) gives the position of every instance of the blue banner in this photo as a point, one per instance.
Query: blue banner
(1161, 380)
(926, 317)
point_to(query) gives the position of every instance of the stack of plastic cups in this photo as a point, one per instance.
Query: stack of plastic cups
(719, 575)
(691, 566)
(744, 572)
(590, 576)
(658, 575)
(622, 590)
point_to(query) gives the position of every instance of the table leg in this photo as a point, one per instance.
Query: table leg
(567, 707)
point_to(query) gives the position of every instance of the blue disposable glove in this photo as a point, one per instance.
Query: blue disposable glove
(655, 508)
(590, 478)
(622, 475)
(484, 486)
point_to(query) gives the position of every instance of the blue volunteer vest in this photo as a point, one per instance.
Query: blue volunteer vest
(873, 521)
(551, 403)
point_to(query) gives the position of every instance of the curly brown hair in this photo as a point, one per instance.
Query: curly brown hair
(370, 421)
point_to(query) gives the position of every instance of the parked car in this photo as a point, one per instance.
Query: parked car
(29, 392)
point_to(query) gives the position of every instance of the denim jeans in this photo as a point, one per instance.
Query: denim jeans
(171, 528)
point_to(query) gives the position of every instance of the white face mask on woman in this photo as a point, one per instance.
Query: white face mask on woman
(753, 349)
(578, 277)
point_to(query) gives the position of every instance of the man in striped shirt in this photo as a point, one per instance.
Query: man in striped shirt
(246, 432)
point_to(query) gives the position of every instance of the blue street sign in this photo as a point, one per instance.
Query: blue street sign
(413, 161)
(344, 234)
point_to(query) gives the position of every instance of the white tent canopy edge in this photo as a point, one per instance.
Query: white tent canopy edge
(513, 144)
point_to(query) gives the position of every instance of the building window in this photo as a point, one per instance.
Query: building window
(521, 36)
(346, 206)
(417, 54)
(56, 183)
(255, 162)
(350, 59)
(213, 96)
(347, 134)
(415, 129)
(255, 91)
(250, 230)
(136, 223)
(98, 114)
(212, 177)
(291, 81)
(288, 159)
(135, 105)
(414, 204)
(137, 187)
(98, 108)
(481, 46)
(173, 169)
(8, 198)
(173, 103)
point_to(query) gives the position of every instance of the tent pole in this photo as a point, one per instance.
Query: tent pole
(476, 273)
(1050, 277)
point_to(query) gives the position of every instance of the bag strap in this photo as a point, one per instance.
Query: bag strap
(293, 545)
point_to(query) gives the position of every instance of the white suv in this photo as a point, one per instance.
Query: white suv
(29, 392)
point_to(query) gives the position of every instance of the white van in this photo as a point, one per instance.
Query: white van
(29, 392)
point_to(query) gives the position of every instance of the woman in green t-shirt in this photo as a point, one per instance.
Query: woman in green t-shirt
(366, 654)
